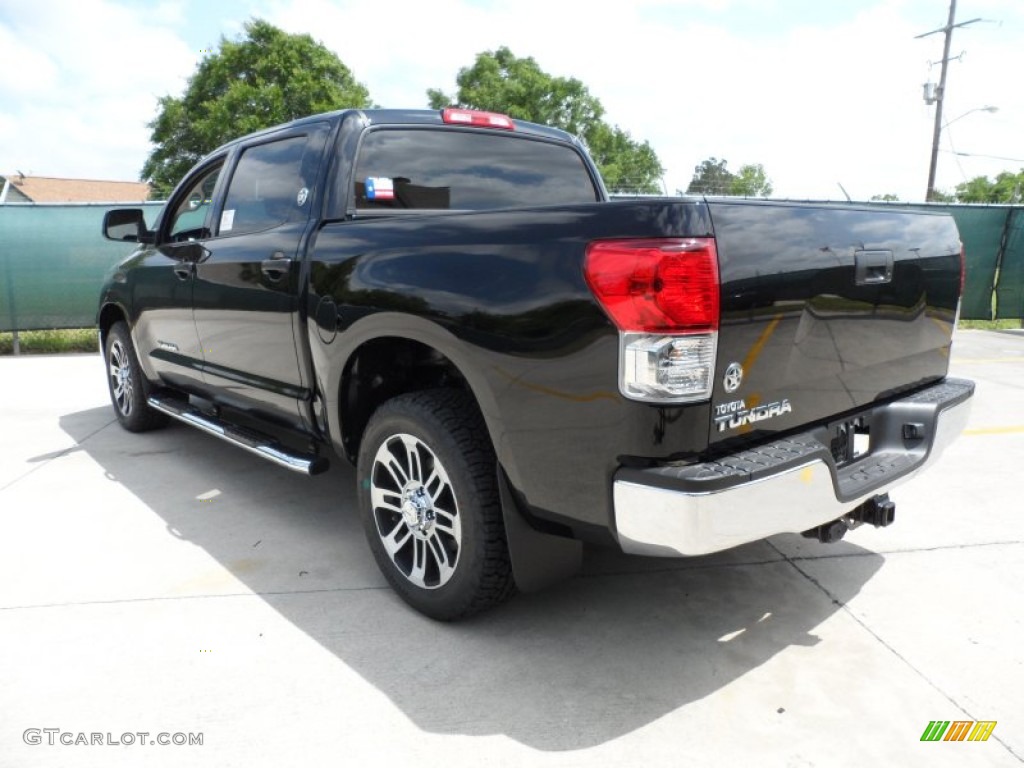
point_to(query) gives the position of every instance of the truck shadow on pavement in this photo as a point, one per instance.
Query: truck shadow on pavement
(611, 651)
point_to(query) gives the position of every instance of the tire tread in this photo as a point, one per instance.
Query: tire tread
(142, 418)
(457, 414)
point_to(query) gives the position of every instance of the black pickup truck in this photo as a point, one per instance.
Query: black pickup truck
(516, 364)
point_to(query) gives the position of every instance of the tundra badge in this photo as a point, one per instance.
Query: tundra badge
(736, 414)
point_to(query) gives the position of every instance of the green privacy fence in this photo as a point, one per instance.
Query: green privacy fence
(994, 245)
(981, 230)
(53, 260)
(52, 263)
(1010, 285)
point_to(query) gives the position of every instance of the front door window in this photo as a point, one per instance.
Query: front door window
(190, 213)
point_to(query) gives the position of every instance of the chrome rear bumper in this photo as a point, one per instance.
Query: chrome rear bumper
(789, 486)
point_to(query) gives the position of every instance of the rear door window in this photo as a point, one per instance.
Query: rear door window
(267, 187)
(463, 170)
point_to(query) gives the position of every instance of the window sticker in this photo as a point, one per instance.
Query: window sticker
(379, 188)
(302, 196)
(227, 220)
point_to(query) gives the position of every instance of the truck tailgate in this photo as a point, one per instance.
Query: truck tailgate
(825, 309)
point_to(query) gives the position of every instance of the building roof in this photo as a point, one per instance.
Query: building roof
(45, 189)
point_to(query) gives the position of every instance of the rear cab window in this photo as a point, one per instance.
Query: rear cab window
(449, 169)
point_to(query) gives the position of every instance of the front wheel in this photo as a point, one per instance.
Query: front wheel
(429, 501)
(128, 387)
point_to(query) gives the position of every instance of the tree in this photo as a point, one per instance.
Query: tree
(499, 81)
(264, 78)
(712, 177)
(625, 165)
(751, 181)
(977, 190)
(1007, 188)
(888, 197)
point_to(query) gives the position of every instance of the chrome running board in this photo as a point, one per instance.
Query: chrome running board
(248, 439)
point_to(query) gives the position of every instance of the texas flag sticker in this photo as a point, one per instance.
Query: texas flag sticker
(379, 188)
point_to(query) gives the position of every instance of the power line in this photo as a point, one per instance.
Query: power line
(944, 29)
(989, 157)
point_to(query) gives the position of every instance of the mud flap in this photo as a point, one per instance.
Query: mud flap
(539, 559)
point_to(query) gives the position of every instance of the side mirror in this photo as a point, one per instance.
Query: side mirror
(126, 225)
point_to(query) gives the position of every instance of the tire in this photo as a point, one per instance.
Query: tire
(128, 386)
(428, 496)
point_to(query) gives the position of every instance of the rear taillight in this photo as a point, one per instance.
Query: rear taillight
(656, 285)
(477, 118)
(663, 294)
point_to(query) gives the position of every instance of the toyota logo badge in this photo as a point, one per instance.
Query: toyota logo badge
(733, 377)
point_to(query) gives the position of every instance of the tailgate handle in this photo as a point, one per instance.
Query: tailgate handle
(873, 267)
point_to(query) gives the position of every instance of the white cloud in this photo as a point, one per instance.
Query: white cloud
(168, 12)
(86, 86)
(27, 69)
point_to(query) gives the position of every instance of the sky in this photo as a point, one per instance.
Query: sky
(821, 93)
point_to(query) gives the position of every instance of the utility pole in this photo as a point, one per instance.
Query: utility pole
(940, 93)
(940, 97)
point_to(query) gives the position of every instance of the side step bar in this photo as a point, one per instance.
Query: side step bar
(250, 440)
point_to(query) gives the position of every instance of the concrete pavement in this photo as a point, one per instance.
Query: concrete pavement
(169, 583)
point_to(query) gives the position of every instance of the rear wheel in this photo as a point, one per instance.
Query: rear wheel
(429, 500)
(128, 387)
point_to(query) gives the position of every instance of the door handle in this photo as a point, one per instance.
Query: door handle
(276, 266)
(185, 270)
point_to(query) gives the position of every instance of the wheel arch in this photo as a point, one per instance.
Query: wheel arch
(389, 354)
(538, 558)
(110, 313)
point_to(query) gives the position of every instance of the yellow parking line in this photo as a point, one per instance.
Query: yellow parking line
(587, 398)
(755, 351)
(995, 430)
